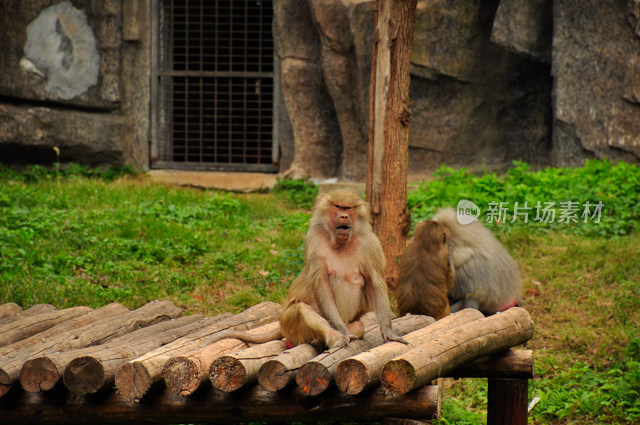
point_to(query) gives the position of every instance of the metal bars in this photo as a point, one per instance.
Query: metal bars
(216, 84)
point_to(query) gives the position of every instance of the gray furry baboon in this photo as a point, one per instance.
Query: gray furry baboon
(486, 276)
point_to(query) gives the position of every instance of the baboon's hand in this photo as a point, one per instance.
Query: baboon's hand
(390, 335)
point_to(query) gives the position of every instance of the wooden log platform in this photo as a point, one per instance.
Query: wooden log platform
(362, 371)
(216, 381)
(315, 376)
(212, 406)
(136, 377)
(96, 333)
(456, 347)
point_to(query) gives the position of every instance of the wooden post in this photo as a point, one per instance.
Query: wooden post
(389, 119)
(507, 401)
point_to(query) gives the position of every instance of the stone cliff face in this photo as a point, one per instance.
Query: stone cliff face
(70, 78)
(596, 71)
(548, 82)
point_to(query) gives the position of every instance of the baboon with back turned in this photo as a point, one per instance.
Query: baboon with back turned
(485, 276)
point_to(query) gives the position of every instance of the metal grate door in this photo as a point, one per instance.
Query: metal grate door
(215, 85)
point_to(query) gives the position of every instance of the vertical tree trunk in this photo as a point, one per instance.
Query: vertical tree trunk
(389, 126)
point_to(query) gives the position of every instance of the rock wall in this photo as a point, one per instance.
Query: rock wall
(548, 82)
(545, 81)
(596, 70)
(68, 79)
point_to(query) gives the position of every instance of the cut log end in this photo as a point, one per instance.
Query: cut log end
(5, 379)
(39, 374)
(84, 375)
(313, 378)
(398, 377)
(9, 309)
(351, 376)
(5, 382)
(132, 381)
(275, 376)
(227, 374)
(181, 375)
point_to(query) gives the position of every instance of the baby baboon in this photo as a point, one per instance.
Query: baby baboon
(426, 274)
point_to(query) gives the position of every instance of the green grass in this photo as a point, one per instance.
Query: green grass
(74, 236)
(80, 240)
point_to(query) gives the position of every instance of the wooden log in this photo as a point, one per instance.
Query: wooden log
(402, 421)
(440, 356)
(510, 364)
(106, 312)
(32, 325)
(135, 378)
(235, 370)
(212, 406)
(184, 374)
(95, 366)
(95, 369)
(315, 375)
(280, 371)
(507, 401)
(362, 371)
(96, 333)
(9, 309)
(33, 310)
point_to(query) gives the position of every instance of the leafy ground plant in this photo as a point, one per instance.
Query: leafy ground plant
(574, 199)
(89, 238)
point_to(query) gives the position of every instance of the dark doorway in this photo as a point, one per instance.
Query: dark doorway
(214, 85)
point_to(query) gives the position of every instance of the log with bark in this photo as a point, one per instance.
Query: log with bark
(96, 371)
(32, 325)
(362, 371)
(254, 404)
(314, 376)
(106, 312)
(134, 378)
(33, 310)
(92, 368)
(280, 371)
(96, 333)
(233, 371)
(454, 348)
(9, 309)
(510, 364)
(184, 374)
